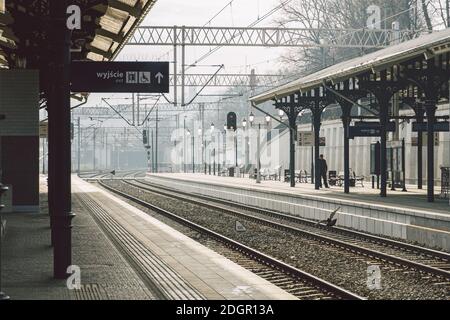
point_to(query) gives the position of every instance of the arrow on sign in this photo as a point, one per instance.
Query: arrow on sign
(159, 76)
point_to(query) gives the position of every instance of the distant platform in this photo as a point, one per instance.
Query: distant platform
(402, 215)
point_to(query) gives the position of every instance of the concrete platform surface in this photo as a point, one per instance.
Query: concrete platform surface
(27, 260)
(207, 273)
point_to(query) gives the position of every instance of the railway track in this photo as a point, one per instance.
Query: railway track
(297, 282)
(435, 263)
(128, 174)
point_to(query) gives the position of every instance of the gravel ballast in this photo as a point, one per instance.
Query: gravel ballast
(343, 268)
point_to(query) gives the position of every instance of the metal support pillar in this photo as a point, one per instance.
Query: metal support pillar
(59, 107)
(317, 114)
(419, 117)
(404, 165)
(391, 161)
(175, 68)
(384, 118)
(346, 113)
(258, 159)
(430, 109)
(183, 65)
(292, 132)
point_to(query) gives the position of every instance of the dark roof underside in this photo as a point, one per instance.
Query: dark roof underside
(106, 27)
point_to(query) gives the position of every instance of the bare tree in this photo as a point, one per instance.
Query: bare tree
(425, 7)
(322, 16)
(439, 13)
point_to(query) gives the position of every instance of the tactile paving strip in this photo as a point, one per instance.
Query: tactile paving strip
(156, 273)
(91, 292)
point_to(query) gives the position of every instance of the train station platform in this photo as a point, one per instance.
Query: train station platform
(402, 215)
(122, 253)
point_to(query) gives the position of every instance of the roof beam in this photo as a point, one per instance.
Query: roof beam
(105, 33)
(98, 51)
(132, 11)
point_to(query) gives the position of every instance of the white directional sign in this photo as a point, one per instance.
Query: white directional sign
(305, 138)
(159, 76)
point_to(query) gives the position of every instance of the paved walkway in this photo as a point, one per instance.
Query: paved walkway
(181, 267)
(27, 260)
(413, 199)
(122, 253)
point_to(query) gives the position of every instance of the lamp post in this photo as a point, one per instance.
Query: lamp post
(200, 132)
(246, 141)
(192, 149)
(93, 149)
(214, 150)
(184, 145)
(193, 153)
(244, 126)
(225, 128)
(258, 145)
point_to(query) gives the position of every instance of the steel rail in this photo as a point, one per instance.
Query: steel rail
(254, 254)
(335, 242)
(369, 237)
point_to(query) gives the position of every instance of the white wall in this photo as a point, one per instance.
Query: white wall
(360, 150)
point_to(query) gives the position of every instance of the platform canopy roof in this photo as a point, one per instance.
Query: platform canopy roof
(106, 26)
(428, 45)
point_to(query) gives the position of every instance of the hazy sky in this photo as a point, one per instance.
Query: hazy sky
(241, 13)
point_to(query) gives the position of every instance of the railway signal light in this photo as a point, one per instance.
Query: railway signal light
(231, 121)
(145, 137)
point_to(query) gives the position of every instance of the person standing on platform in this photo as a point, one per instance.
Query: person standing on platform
(323, 171)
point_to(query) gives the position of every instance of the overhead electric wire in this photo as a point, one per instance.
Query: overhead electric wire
(207, 23)
(260, 19)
